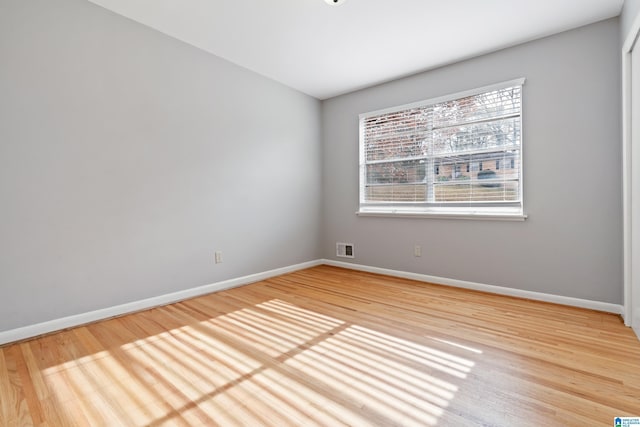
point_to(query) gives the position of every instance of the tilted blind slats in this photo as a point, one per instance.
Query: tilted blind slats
(472, 108)
(464, 150)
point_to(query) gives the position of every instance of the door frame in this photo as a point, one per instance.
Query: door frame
(627, 188)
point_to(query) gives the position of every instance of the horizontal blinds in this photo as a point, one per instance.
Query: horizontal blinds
(484, 106)
(397, 135)
(454, 151)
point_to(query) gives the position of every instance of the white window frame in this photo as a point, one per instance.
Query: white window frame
(435, 210)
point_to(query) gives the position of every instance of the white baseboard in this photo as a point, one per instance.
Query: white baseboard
(538, 296)
(31, 331)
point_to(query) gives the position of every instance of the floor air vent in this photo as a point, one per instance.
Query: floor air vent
(344, 250)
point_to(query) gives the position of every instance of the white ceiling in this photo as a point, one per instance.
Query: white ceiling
(327, 50)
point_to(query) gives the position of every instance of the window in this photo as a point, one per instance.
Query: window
(411, 156)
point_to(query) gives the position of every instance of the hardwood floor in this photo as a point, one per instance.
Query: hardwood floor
(327, 346)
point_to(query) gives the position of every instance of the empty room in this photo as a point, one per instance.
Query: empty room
(319, 213)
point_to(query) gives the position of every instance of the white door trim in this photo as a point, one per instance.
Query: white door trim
(627, 190)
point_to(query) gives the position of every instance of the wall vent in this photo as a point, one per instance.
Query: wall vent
(344, 250)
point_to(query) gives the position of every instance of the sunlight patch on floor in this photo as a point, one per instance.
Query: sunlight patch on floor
(273, 356)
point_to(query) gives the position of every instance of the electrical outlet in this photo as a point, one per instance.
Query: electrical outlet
(218, 257)
(417, 250)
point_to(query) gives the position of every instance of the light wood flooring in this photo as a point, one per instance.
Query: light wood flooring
(328, 346)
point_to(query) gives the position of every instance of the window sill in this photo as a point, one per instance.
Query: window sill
(472, 216)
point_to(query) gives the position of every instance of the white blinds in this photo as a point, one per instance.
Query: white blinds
(462, 151)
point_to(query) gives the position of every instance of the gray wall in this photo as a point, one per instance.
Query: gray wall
(127, 158)
(571, 245)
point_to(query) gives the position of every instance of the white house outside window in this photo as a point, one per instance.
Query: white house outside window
(459, 155)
